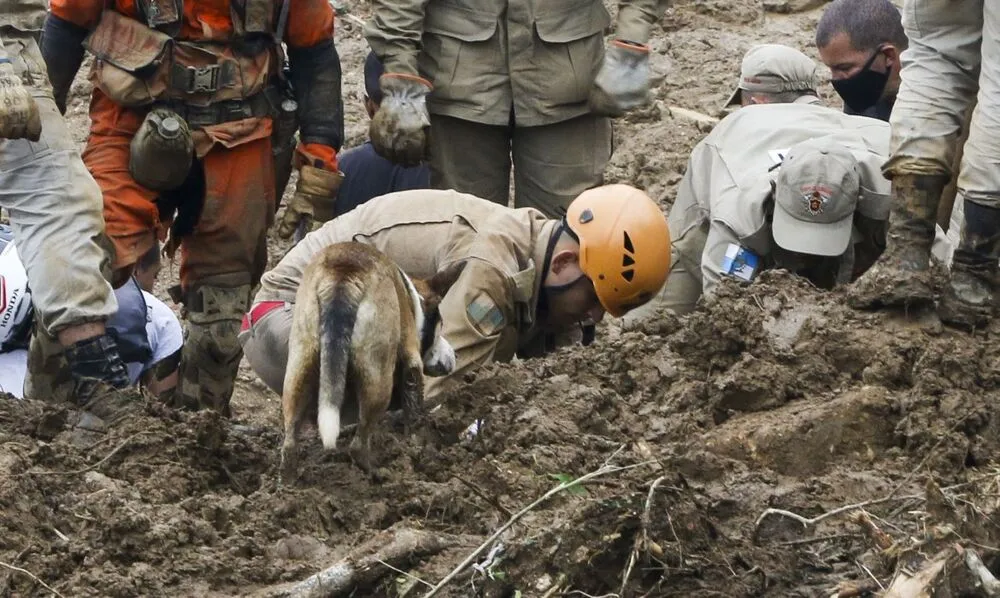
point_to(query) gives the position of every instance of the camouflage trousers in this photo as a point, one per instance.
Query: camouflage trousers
(211, 356)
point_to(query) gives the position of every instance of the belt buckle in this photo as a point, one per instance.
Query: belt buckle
(202, 79)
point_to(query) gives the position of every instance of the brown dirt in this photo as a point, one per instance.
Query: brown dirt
(776, 396)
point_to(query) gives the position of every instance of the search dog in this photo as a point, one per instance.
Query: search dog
(363, 333)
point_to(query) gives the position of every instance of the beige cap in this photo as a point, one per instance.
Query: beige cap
(775, 68)
(814, 201)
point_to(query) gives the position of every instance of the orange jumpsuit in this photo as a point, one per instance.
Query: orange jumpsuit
(229, 239)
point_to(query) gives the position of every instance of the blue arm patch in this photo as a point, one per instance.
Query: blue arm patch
(740, 262)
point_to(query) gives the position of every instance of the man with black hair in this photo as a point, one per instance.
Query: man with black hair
(367, 174)
(860, 41)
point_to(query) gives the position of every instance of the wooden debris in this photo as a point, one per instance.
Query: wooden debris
(924, 582)
(375, 559)
(693, 116)
(988, 582)
(878, 537)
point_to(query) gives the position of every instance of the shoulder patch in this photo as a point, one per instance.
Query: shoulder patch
(485, 315)
(740, 262)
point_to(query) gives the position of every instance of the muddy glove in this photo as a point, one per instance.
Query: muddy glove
(623, 81)
(399, 130)
(19, 116)
(315, 197)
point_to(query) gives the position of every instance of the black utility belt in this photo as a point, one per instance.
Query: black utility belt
(265, 103)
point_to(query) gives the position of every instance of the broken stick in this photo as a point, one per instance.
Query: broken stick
(367, 564)
(807, 522)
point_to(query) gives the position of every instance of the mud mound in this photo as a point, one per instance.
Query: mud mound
(774, 396)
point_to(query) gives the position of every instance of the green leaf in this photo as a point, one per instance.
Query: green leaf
(565, 478)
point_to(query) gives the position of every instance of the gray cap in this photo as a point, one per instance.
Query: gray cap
(814, 201)
(774, 68)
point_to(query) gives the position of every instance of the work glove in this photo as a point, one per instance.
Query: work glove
(315, 198)
(399, 130)
(19, 116)
(623, 81)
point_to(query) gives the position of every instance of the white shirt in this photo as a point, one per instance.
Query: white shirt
(162, 328)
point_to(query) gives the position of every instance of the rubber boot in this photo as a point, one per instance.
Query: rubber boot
(211, 355)
(901, 276)
(967, 301)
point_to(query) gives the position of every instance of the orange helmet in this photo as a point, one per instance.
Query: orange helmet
(624, 244)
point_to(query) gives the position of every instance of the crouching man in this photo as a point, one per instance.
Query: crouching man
(792, 185)
(147, 334)
(527, 276)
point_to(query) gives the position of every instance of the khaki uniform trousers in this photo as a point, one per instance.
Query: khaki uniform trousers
(55, 207)
(552, 164)
(954, 54)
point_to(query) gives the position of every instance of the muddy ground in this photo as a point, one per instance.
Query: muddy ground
(776, 397)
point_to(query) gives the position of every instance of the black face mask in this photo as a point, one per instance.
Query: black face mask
(863, 90)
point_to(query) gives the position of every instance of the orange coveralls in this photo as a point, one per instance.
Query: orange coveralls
(230, 237)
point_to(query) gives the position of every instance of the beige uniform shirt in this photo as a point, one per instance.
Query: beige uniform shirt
(487, 58)
(490, 313)
(729, 175)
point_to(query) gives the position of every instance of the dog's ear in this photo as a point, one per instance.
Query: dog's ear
(443, 280)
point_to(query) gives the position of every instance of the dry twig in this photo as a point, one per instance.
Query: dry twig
(32, 576)
(492, 501)
(641, 542)
(604, 470)
(403, 573)
(806, 522)
(94, 465)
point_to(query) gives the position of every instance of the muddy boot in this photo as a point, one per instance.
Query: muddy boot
(49, 378)
(211, 356)
(968, 299)
(901, 277)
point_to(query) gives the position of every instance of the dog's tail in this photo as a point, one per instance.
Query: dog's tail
(338, 317)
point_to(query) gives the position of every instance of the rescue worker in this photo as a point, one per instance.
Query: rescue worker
(55, 210)
(484, 85)
(860, 41)
(954, 54)
(528, 277)
(783, 182)
(775, 73)
(146, 332)
(185, 104)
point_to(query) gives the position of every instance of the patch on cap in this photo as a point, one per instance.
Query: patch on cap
(815, 198)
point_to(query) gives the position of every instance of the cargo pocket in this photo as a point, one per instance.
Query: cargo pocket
(459, 45)
(131, 59)
(572, 50)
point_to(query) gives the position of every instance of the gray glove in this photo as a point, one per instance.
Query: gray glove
(19, 117)
(399, 130)
(622, 84)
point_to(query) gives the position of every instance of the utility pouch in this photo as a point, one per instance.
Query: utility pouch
(161, 151)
